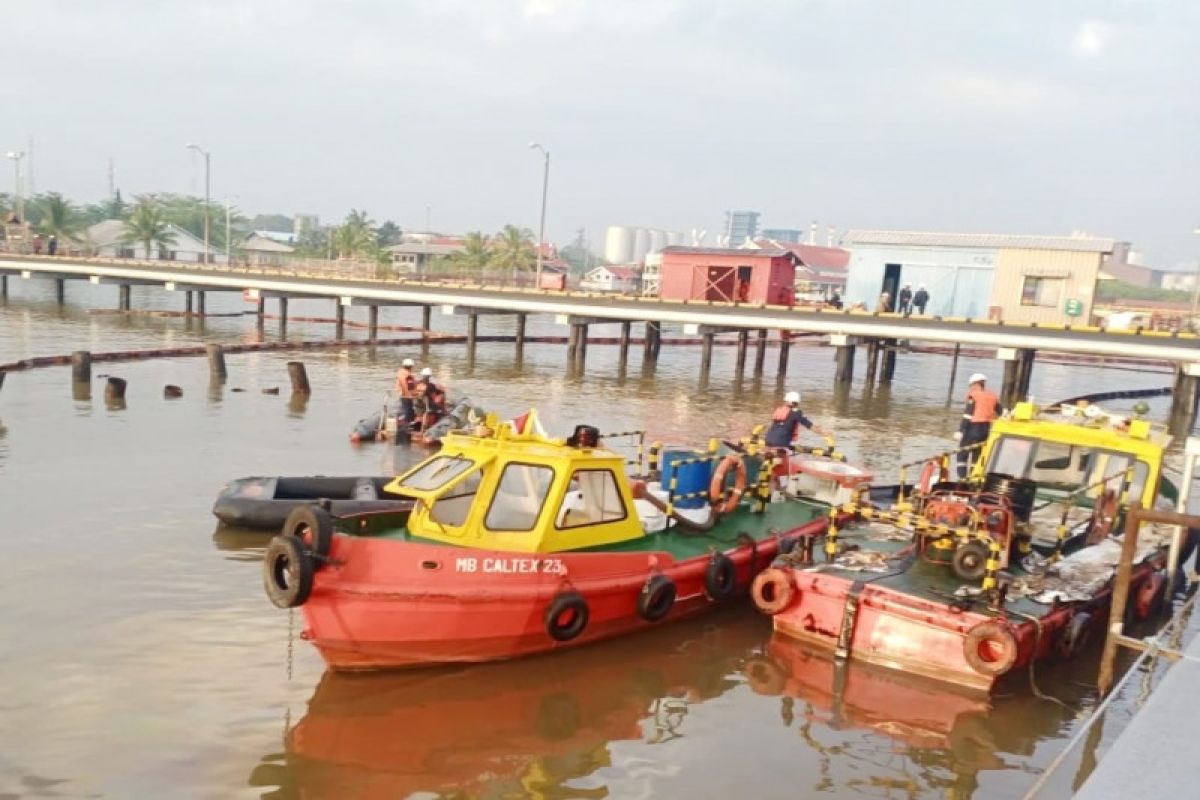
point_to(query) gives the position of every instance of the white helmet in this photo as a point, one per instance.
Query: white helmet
(408, 362)
(977, 377)
(792, 398)
(426, 373)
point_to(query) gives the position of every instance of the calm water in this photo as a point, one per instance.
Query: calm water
(140, 657)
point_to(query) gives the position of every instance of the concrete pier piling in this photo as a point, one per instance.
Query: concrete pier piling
(81, 367)
(519, 336)
(124, 296)
(60, 290)
(372, 323)
(706, 351)
(844, 345)
(3, 286)
(581, 344)
(187, 302)
(743, 343)
(1185, 397)
(1018, 370)
(626, 335)
(427, 320)
(472, 333)
(785, 351)
(339, 321)
(283, 315)
(872, 360)
(299, 378)
(760, 352)
(216, 361)
(200, 303)
(888, 370)
(652, 343)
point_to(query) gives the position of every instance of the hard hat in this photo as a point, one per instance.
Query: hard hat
(792, 397)
(977, 377)
(408, 362)
(426, 373)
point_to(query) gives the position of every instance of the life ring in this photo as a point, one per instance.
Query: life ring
(990, 648)
(720, 577)
(772, 591)
(764, 676)
(566, 616)
(312, 526)
(656, 598)
(1147, 601)
(287, 572)
(722, 503)
(925, 482)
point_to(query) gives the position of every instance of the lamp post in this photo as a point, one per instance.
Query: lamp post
(228, 226)
(542, 226)
(19, 207)
(207, 177)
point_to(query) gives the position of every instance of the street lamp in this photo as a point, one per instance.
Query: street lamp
(207, 176)
(16, 159)
(542, 226)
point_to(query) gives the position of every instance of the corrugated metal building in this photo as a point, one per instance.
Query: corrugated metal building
(1017, 278)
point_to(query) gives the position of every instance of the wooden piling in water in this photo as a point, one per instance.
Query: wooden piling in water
(114, 391)
(372, 323)
(760, 352)
(299, 378)
(216, 361)
(743, 345)
(3, 286)
(581, 346)
(785, 350)
(623, 354)
(81, 366)
(426, 320)
(172, 392)
(844, 372)
(283, 314)
(889, 361)
(519, 336)
(706, 350)
(124, 295)
(872, 360)
(953, 373)
(339, 314)
(200, 303)
(60, 290)
(187, 302)
(472, 333)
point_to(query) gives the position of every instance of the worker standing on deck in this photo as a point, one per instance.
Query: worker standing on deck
(786, 422)
(983, 406)
(406, 387)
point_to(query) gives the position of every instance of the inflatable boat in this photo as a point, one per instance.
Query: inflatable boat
(266, 502)
(384, 425)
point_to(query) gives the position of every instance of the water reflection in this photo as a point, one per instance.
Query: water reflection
(526, 727)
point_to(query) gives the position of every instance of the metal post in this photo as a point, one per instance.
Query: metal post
(542, 225)
(207, 189)
(1191, 453)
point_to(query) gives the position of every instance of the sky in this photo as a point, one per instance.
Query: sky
(1000, 117)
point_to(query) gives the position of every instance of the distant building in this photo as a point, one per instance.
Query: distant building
(783, 234)
(727, 274)
(414, 256)
(624, 244)
(303, 224)
(263, 251)
(283, 237)
(610, 279)
(1180, 281)
(740, 227)
(104, 239)
(1017, 278)
(821, 270)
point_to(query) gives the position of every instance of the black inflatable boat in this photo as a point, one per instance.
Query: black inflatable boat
(266, 502)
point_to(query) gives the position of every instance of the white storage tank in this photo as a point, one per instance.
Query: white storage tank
(658, 240)
(618, 244)
(641, 245)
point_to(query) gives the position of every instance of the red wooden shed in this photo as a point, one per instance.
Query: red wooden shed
(726, 274)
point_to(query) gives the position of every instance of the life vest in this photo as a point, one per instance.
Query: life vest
(406, 382)
(985, 406)
(781, 413)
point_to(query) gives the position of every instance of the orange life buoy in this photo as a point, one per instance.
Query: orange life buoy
(722, 503)
(925, 482)
(990, 648)
(772, 591)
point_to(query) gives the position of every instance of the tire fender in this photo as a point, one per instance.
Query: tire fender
(287, 572)
(772, 590)
(312, 526)
(656, 598)
(990, 648)
(566, 616)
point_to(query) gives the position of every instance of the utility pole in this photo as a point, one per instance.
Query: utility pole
(542, 226)
(19, 206)
(207, 179)
(112, 178)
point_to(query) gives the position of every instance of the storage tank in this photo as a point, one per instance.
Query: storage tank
(641, 244)
(618, 244)
(674, 238)
(658, 240)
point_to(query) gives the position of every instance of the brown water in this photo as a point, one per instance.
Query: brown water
(140, 658)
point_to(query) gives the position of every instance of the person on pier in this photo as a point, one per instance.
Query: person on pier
(920, 299)
(406, 387)
(983, 406)
(786, 422)
(904, 300)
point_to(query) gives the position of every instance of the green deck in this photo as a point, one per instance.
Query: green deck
(681, 544)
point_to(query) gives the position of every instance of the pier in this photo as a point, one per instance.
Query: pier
(877, 334)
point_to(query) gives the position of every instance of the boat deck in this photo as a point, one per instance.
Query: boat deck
(682, 544)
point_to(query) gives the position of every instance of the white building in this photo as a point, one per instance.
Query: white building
(262, 250)
(610, 279)
(106, 240)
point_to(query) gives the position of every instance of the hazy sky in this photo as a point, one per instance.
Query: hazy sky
(1011, 117)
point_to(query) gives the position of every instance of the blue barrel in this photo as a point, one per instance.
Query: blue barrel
(690, 477)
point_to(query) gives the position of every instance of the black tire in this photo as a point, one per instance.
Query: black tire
(287, 572)
(970, 561)
(313, 527)
(656, 598)
(566, 616)
(720, 577)
(1075, 635)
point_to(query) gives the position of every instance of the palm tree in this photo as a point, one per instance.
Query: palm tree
(60, 217)
(148, 225)
(476, 254)
(350, 240)
(514, 250)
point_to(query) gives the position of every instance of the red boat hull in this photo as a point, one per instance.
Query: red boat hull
(385, 603)
(921, 636)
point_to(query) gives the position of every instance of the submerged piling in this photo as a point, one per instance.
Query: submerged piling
(81, 366)
(114, 391)
(299, 378)
(216, 361)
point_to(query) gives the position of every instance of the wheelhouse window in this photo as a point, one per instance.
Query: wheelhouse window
(437, 472)
(519, 497)
(1042, 291)
(593, 498)
(453, 508)
(1066, 467)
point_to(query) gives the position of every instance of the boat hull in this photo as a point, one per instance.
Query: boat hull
(388, 603)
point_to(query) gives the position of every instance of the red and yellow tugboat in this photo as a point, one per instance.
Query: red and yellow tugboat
(520, 543)
(979, 578)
